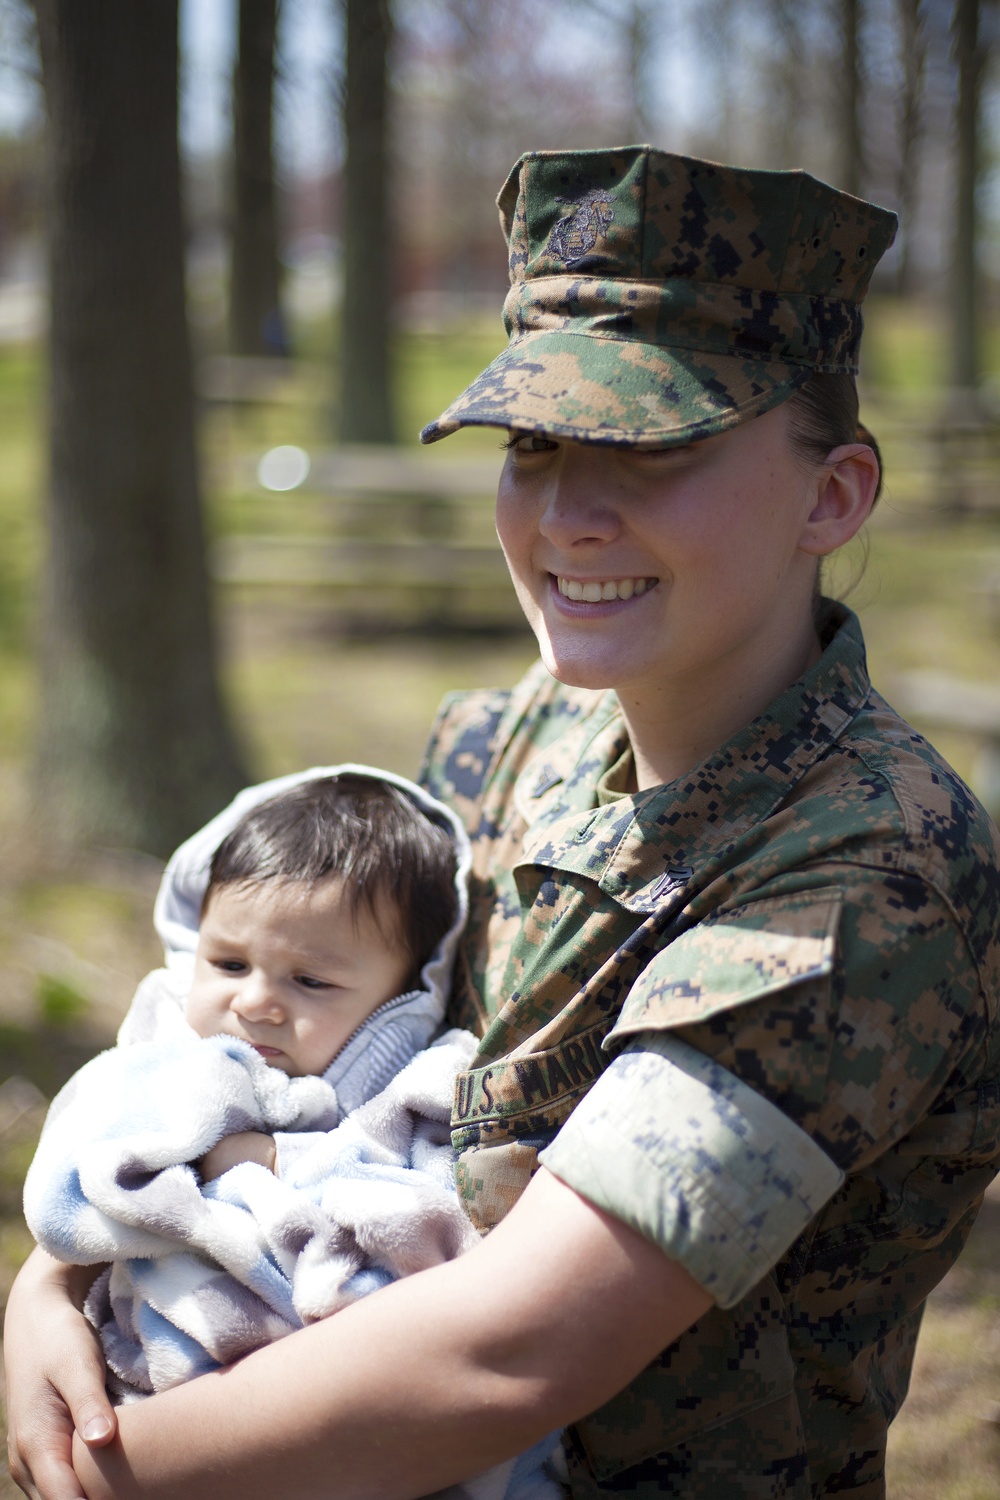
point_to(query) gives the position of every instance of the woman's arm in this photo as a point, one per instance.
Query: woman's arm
(55, 1376)
(427, 1382)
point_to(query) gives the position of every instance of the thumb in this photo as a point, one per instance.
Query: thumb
(96, 1425)
(93, 1415)
(83, 1390)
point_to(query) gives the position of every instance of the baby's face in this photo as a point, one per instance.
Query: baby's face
(287, 966)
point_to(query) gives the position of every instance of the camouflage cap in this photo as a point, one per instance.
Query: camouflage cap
(657, 299)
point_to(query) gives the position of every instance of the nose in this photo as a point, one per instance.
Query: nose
(579, 503)
(258, 999)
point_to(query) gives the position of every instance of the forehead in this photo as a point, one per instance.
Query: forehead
(288, 913)
(278, 908)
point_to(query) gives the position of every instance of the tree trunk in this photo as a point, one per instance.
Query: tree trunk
(717, 28)
(256, 324)
(913, 50)
(786, 82)
(135, 748)
(965, 278)
(638, 41)
(852, 170)
(366, 408)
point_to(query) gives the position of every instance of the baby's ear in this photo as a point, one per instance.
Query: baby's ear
(843, 495)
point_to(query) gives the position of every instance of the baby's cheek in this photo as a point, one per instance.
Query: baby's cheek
(200, 1014)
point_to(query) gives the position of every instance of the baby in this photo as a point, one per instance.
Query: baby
(322, 907)
(269, 1139)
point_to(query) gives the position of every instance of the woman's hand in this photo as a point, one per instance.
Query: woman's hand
(244, 1145)
(55, 1377)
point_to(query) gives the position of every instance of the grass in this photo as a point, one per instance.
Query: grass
(74, 940)
(945, 1444)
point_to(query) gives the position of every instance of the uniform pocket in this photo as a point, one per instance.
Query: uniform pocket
(737, 957)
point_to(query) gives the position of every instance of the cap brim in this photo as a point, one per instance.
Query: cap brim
(602, 390)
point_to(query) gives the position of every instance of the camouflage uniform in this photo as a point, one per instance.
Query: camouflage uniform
(772, 985)
(751, 1013)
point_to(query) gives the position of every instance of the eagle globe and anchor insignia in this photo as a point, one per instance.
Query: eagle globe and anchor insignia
(586, 222)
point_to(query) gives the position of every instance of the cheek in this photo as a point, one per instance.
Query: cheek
(747, 538)
(518, 533)
(209, 992)
(199, 1011)
(516, 523)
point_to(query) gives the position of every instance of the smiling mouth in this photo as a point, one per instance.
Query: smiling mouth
(595, 591)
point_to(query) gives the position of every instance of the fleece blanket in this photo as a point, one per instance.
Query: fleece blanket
(203, 1273)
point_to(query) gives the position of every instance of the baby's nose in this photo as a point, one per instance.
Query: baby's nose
(259, 998)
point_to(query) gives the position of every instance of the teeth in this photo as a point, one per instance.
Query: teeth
(613, 588)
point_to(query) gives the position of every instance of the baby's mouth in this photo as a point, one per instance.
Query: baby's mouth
(595, 591)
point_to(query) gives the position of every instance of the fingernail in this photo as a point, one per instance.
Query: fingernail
(97, 1427)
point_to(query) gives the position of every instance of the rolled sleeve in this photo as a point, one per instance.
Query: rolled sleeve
(695, 1160)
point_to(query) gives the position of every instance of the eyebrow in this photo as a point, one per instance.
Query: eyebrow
(302, 957)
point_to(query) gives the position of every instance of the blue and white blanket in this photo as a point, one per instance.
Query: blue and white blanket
(203, 1273)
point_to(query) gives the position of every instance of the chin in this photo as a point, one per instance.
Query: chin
(581, 669)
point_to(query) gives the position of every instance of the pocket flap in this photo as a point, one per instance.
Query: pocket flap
(741, 955)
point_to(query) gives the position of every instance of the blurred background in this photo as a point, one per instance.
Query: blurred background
(247, 249)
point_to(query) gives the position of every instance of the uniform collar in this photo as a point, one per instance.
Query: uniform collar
(648, 847)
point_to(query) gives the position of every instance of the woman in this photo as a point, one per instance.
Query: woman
(733, 949)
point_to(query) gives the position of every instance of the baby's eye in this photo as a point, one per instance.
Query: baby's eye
(229, 965)
(308, 982)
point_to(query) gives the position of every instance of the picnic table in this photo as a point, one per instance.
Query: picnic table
(400, 535)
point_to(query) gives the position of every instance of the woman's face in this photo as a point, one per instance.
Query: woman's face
(695, 553)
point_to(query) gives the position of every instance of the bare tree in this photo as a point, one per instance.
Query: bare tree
(852, 172)
(965, 275)
(256, 325)
(639, 26)
(366, 406)
(774, 83)
(786, 81)
(913, 57)
(634, 23)
(134, 745)
(471, 98)
(717, 29)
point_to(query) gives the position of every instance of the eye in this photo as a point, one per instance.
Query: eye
(229, 965)
(672, 456)
(309, 983)
(530, 442)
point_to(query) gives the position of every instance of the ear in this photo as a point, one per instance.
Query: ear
(842, 499)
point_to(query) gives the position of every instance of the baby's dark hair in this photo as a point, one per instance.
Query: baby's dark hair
(388, 853)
